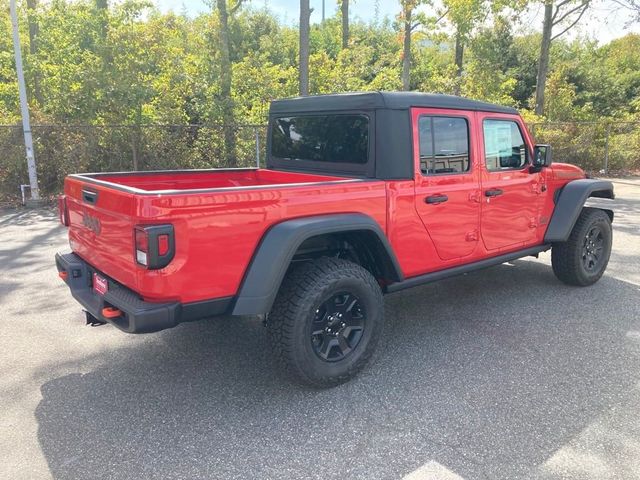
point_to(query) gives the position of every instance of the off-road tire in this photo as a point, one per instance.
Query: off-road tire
(568, 258)
(305, 290)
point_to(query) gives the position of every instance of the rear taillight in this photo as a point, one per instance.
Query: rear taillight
(142, 246)
(63, 213)
(154, 245)
(163, 244)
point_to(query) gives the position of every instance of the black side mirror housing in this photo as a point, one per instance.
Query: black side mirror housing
(541, 157)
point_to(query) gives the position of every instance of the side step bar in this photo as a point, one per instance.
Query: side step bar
(471, 267)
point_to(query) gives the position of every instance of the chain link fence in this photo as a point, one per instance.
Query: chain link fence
(65, 149)
(600, 148)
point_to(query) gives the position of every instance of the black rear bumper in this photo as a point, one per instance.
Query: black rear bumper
(138, 316)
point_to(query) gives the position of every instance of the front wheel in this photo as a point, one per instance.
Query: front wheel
(326, 321)
(583, 258)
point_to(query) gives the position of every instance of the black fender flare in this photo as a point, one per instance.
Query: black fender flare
(279, 244)
(569, 204)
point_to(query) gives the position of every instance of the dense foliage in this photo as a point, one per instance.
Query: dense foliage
(128, 64)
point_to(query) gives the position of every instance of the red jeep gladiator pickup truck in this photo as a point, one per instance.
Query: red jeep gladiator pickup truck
(363, 194)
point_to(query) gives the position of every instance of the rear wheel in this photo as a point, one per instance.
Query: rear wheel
(326, 321)
(583, 258)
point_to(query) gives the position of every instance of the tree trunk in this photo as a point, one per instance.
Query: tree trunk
(102, 6)
(103, 52)
(228, 121)
(543, 61)
(134, 149)
(34, 30)
(406, 50)
(136, 138)
(458, 60)
(345, 23)
(303, 71)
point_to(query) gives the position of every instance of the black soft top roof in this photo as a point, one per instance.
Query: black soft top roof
(381, 100)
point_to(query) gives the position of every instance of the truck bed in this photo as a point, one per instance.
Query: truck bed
(219, 216)
(183, 180)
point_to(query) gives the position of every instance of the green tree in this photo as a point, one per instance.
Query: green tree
(463, 15)
(226, 78)
(34, 30)
(565, 11)
(410, 20)
(501, 67)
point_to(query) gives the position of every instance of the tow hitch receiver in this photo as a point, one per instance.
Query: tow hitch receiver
(111, 312)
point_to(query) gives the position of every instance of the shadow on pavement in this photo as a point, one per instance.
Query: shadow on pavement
(487, 374)
(22, 234)
(26, 216)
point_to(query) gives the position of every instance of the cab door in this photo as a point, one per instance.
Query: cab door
(510, 191)
(446, 180)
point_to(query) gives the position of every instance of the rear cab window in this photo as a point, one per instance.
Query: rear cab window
(335, 142)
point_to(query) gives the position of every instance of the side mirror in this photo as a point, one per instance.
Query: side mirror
(541, 156)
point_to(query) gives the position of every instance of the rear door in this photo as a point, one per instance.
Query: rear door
(510, 192)
(446, 180)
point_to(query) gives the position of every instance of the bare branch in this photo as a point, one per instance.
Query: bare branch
(412, 27)
(633, 5)
(583, 5)
(558, 7)
(442, 16)
(572, 25)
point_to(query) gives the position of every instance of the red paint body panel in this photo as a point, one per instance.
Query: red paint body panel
(453, 225)
(220, 216)
(216, 232)
(509, 221)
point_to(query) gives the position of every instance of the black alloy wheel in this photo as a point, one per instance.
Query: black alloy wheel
(326, 321)
(338, 326)
(583, 258)
(592, 249)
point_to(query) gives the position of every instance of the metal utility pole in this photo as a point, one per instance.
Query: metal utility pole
(24, 107)
(322, 11)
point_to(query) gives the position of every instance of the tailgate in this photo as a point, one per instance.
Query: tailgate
(101, 223)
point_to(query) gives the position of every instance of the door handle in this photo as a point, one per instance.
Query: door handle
(89, 196)
(493, 193)
(433, 199)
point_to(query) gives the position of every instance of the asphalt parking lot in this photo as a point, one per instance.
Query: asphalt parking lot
(501, 374)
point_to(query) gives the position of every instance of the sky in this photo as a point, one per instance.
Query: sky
(604, 22)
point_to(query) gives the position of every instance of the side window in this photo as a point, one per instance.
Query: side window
(504, 147)
(444, 145)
